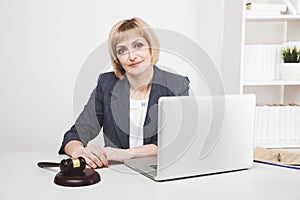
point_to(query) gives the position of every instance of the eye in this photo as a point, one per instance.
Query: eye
(138, 45)
(121, 51)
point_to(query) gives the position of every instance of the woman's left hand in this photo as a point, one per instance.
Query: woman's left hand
(117, 154)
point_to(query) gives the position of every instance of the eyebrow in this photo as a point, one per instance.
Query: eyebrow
(131, 43)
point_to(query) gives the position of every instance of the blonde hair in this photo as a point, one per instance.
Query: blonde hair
(123, 28)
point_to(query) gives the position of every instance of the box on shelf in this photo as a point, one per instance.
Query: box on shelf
(277, 123)
(261, 62)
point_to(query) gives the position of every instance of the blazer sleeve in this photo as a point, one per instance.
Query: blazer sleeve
(178, 85)
(88, 124)
(185, 87)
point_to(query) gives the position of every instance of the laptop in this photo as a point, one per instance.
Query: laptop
(201, 136)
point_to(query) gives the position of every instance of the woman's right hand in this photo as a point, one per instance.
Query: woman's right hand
(94, 156)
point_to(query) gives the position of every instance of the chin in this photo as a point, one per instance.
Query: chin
(138, 70)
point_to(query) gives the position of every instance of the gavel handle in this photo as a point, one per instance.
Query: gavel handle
(47, 164)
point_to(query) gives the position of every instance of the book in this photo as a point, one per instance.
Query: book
(277, 157)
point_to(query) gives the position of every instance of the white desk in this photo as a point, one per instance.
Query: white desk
(20, 178)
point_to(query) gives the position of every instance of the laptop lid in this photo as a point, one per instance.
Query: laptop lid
(201, 135)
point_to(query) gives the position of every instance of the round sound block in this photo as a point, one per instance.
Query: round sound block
(82, 178)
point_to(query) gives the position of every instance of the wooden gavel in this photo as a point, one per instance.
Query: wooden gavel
(66, 165)
(73, 172)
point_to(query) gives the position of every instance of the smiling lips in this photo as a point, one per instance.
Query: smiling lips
(135, 64)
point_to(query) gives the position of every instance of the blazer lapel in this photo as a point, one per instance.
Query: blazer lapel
(119, 107)
(158, 89)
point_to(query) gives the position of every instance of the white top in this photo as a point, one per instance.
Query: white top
(138, 110)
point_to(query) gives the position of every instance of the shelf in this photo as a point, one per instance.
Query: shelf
(270, 83)
(278, 144)
(273, 18)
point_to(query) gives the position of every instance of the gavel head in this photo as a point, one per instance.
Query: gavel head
(72, 165)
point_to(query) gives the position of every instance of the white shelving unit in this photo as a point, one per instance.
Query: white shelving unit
(273, 30)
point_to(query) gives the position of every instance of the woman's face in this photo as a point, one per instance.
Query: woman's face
(134, 54)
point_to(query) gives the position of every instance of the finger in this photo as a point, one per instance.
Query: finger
(90, 163)
(102, 156)
(99, 153)
(89, 158)
(96, 162)
(108, 152)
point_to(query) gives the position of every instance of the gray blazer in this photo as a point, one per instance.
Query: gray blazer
(108, 108)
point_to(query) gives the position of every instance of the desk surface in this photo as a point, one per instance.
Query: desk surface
(22, 179)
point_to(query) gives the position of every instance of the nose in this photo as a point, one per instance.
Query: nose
(132, 55)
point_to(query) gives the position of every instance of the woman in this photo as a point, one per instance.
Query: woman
(124, 103)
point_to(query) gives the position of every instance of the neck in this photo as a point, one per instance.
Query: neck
(140, 85)
(141, 81)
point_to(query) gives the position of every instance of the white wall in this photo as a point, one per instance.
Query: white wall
(44, 44)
